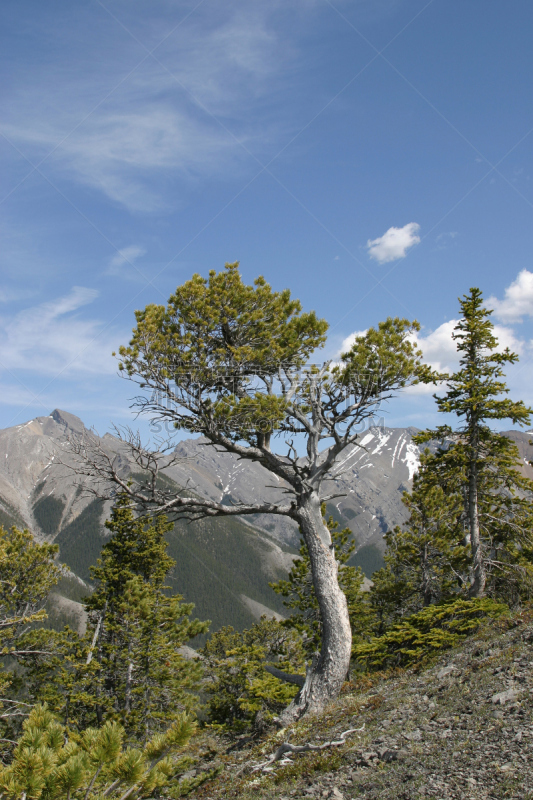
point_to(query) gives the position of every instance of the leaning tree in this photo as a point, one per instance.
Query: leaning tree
(232, 362)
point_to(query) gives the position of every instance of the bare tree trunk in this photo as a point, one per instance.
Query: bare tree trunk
(328, 672)
(479, 575)
(127, 699)
(427, 592)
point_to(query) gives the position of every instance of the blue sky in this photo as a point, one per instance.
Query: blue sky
(374, 156)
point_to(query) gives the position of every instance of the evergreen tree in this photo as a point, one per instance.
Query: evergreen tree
(137, 630)
(50, 763)
(231, 361)
(425, 559)
(496, 517)
(300, 597)
(128, 667)
(240, 690)
(27, 574)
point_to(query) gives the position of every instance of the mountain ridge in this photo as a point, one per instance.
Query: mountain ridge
(40, 492)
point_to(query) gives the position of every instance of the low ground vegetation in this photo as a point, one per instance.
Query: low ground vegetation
(460, 728)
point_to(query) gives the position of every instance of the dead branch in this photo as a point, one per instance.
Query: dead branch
(109, 473)
(299, 680)
(281, 757)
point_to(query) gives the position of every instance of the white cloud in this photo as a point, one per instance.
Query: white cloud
(52, 339)
(518, 300)
(507, 338)
(128, 255)
(350, 341)
(394, 243)
(440, 350)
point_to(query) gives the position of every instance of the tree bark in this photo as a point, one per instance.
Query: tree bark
(427, 592)
(327, 673)
(479, 575)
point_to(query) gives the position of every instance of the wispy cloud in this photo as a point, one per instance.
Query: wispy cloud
(125, 257)
(125, 154)
(52, 338)
(443, 240)
(167, 120)
(518, 300)
(394, 243)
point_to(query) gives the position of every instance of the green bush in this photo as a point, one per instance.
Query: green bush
(51, 763)
(418, 638)
(240, 691)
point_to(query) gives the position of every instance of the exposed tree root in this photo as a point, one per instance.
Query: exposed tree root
(281, 757)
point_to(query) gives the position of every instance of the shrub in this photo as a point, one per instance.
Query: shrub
(240, 691)
(50, 764)
(418, 638)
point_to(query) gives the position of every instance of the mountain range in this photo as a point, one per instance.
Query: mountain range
(223, 565)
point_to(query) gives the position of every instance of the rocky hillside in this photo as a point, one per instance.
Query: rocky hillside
(460, 730)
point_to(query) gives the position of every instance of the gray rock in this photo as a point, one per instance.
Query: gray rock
(446, 671)
(387, 755)
(501, 698)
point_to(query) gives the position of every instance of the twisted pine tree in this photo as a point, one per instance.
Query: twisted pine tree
(231, 362)
(300, 596)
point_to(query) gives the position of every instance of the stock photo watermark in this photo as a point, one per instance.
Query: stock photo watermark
(229, 400)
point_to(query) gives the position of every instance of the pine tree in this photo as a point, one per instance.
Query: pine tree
(142, 680)
(27, 574)
(51, 763)
(496, 515)
(240, 690)
(231, 361)
(425, 559)
(128, 667)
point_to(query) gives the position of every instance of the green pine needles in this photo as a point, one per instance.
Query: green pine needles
(128, 667)
(420, 637)
(240, 691)
(466, 550)
(141, 678)
(480, 464)
(51, 762)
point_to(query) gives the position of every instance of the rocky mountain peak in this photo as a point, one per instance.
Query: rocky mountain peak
(67, 420)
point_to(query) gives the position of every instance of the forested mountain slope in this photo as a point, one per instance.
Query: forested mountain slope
(223, 565)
